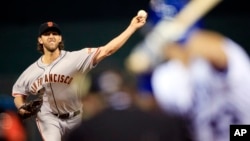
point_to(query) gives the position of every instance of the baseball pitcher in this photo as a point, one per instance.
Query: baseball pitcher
(55, 71)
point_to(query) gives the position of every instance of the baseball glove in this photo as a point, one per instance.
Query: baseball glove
(32, 106)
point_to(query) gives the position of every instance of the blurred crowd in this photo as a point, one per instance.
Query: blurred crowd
(119, 106)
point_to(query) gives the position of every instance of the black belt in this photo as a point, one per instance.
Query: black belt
(67, 115)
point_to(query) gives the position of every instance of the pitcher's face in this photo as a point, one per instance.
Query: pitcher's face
(50, 40)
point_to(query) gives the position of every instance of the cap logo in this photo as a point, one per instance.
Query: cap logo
(50, 24)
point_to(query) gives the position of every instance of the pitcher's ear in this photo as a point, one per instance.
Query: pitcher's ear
(39, 40)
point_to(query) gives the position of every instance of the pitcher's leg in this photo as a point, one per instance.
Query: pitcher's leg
(49, 127)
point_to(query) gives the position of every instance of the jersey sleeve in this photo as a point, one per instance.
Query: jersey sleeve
(84, 58)
(20, 87)
(23, 84)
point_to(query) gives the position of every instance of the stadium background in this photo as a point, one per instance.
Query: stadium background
(91, 23)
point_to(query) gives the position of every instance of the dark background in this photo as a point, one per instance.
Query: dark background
(26, 11)
(91, 23)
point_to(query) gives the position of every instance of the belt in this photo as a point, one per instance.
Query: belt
(67, 115)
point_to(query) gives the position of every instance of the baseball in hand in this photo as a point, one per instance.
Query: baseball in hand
(142, 13)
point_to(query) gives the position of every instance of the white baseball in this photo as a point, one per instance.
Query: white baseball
(142, 13)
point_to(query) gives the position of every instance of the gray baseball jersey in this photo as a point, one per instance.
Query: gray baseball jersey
(56, 78)
(61, 94)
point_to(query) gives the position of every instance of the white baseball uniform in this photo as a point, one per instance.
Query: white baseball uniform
(60, 98)
(212, 99)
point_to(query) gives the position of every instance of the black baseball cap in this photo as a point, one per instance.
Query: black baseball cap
(49, 26)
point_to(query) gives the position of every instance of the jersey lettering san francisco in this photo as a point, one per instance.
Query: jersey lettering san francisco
(56, 78)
